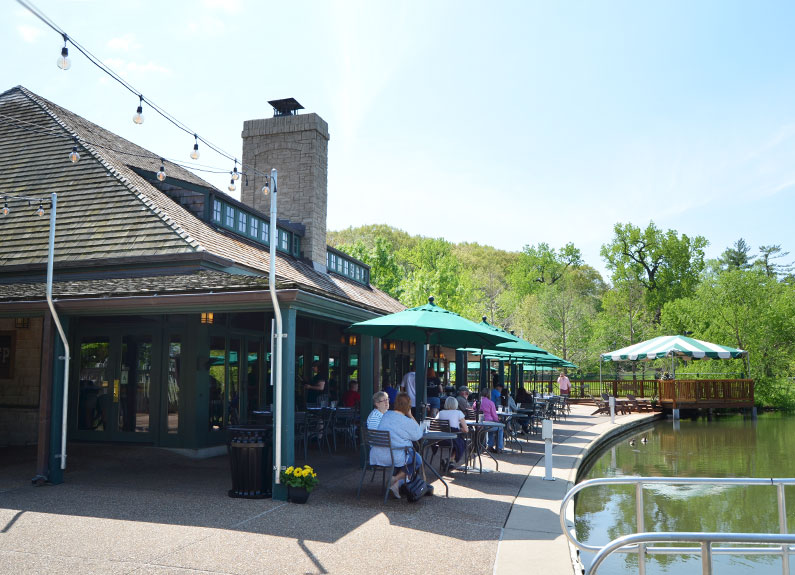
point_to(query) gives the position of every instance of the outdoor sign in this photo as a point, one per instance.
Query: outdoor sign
(7, 346)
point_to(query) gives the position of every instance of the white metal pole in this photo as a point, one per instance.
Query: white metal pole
(277, 348)
(50, 258)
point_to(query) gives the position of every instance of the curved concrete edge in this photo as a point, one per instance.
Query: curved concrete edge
(532, 534)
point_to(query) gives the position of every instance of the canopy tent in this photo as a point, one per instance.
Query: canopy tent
(673, 345)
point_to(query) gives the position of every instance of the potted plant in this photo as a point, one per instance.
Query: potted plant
(300, 482)
(653, 402)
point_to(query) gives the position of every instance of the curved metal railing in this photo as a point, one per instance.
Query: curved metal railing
(636, 543)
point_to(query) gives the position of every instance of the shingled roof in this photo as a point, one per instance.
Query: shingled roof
(108, 213)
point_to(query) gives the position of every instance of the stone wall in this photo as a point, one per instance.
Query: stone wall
(19, 395)
(297, 146)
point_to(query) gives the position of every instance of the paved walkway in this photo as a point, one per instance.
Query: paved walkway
(137, 510)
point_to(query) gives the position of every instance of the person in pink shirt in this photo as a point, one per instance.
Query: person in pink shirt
(564, 384)
(489, 410)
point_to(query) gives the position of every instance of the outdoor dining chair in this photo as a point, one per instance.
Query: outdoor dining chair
(345, 425)
(442, 425)
(374, 438)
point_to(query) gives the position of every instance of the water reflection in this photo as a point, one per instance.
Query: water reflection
(731, 446)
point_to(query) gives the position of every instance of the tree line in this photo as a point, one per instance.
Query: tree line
(660, 284)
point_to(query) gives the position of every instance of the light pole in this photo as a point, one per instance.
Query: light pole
(276, 345)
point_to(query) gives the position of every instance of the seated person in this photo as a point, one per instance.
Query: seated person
(496, 394)
(403, 430)
(522, 396)
(490, 414)
(462, 399)
(380, 407)
(351, 398)
(455, 417)
(524, 420)
(434, 390)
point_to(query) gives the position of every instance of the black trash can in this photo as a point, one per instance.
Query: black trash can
(251, 461)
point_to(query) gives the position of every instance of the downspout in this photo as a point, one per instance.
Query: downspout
(277, 313)
(50, 257)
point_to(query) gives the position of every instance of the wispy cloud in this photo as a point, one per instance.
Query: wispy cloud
(124, 43)
(29, 33)
(229, 6)
(125, 67)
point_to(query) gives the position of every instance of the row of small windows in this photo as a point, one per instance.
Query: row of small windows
(342, 266)
(253, 227)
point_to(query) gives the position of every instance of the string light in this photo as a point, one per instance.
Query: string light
(231, 186)
(195, 153)
(138, 118)
(63, 61)
(5, 208)
(161, 175)
(235, 173)
(266, 188)
(74, 156)
(40, 211)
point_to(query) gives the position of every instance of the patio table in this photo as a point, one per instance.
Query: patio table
(477, 445)
(429, 439)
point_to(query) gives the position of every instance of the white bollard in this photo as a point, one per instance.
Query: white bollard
(612, 409)
(546, 435)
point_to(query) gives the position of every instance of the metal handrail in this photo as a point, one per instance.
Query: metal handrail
(783, 546)
(639, 483)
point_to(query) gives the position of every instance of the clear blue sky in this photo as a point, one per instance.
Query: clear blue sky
(502, 123)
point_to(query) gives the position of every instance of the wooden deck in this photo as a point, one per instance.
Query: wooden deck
(707, 393)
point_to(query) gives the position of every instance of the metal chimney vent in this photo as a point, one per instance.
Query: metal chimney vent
(286, 107)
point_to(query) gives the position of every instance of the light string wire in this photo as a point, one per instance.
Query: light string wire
(162, 112)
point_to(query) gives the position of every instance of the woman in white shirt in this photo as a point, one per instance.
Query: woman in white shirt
(458, 425)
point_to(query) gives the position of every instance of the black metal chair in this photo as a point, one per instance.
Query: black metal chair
(442, 425)
(374, 438)
(345, 425)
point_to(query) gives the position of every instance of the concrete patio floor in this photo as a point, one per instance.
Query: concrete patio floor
(141, 510)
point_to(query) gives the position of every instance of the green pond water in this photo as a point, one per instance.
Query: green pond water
(727, 446)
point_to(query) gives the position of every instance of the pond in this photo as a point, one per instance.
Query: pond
(726, 446)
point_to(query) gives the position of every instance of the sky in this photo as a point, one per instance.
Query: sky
(502, 123)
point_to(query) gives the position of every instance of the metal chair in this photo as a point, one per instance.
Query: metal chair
(374, 438)
(442, 425)
(345, 424)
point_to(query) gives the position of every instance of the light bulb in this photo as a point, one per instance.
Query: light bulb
(74, 156)
(40, 211)
(195, 153)
(235, 174)
(138, 118)
(231, 186)
(265, 190)
(63, 61)
(5, 209)
(161, 175)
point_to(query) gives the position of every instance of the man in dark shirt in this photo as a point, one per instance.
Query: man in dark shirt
(463, 394)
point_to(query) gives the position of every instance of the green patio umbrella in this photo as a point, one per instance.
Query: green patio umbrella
(517, 344)
(429, 324)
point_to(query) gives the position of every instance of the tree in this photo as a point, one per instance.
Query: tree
(385, 273)
(771, 268)
(667, 265)
(432, 270)
(737, 257)
(542, 265)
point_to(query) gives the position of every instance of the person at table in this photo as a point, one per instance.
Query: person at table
(380, 407)
(403, 431)
(434, 390)
(463, 398)
(523, 397)
(458, 425)
(391, 393)
(351, 398)
(523, 420)
(489, 410)
(315, 388)
(408, 385)
(496, 393)
(564, 384)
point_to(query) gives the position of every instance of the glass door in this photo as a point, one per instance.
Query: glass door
(94, 386)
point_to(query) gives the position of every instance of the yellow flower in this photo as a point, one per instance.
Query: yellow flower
(307, 467)
(289, 470)
(297, 472)
(314, 475)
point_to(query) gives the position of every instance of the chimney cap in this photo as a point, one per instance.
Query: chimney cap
(285, 107)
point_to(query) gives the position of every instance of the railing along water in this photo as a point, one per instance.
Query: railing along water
(636, 543)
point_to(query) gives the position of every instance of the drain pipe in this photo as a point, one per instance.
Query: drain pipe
(50, 258)
(276, 372)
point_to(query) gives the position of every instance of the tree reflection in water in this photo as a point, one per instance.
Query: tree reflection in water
(726, 446)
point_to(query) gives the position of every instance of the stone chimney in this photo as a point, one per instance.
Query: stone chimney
(297, 146)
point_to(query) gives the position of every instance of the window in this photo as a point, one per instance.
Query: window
(265, 235)
(254, 232)
(242, 222)
(216, 211)
(284, 240)
(345, 267)
(230, 217)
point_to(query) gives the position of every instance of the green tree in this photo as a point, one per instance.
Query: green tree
(541, 265)
(765, 262)
(667, 265)
(737, 257)
(432, 270)
(385, 273)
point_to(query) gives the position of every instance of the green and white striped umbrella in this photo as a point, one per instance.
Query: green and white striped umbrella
(673, 345)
